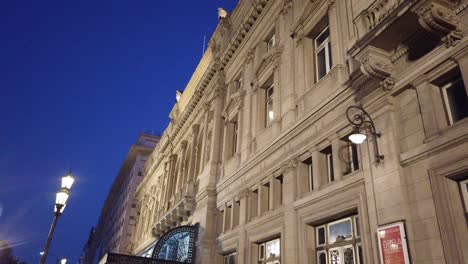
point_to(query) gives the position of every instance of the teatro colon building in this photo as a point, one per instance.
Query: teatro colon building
(316, 131)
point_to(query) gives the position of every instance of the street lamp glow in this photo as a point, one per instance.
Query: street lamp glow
(63, 261)
(41, 253)
(67, 181)
(62, 197)
(357, 137)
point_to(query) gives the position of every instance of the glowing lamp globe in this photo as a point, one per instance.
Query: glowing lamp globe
(62, 197)
(67, 181)
(357, 137)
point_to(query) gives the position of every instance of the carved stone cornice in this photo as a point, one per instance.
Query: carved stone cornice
(440, 20)
(376, 63)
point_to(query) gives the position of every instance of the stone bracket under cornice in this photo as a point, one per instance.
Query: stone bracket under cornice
(440, 20)
(377, 64)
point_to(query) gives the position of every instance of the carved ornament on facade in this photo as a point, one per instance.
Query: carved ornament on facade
(376, 63)
(440, 20)
(287, 5)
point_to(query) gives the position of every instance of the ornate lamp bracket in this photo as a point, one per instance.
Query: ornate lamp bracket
(363, 123)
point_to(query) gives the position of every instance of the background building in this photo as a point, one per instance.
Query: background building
(118, 215)
(257, 151)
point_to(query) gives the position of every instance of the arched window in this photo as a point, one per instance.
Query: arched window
(177, 244)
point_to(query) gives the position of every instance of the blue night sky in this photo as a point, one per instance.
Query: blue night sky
(79, 81)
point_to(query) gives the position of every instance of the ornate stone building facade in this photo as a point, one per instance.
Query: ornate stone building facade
(117, 221)
(257, 151)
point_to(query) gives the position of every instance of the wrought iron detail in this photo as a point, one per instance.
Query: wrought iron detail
(361, 120)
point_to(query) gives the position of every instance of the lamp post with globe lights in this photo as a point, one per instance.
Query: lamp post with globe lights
(363, 123)
(61, 199)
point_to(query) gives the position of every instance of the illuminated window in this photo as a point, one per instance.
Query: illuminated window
(339, 242)
(269, 105)
(269, 252)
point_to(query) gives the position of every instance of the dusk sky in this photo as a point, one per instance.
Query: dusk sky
(79, 81)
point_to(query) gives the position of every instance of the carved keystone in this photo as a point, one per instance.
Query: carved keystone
(376, 63)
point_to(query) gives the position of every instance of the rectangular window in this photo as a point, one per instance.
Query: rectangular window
(230, 258)
(235, 131)
(329, 163)
(323, 59)
(350, 156)
(271, 42)
(455, 100)
(310, 173)
(338, 243)
(253, 204)
(277, 191)
(269, 105)
(269, 252)
(265, 198)
(235, 214)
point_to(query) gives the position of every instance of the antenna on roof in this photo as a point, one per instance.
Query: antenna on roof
(204, 41)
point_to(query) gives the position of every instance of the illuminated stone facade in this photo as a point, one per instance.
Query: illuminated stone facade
(257, 150)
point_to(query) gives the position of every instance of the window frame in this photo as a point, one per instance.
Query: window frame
(226, 257)
(350, 219)
(464, 193)
(448, 107)
(262, 247)
(235, 136)
(326, 46)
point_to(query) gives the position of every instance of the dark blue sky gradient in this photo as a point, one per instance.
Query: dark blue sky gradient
(79, 80)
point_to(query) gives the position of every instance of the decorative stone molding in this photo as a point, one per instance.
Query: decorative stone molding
(287, 5)
(290, 164)
(440, 20)
(250, 55)
(376, 63)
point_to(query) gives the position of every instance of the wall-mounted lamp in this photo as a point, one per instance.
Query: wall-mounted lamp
(363, 123)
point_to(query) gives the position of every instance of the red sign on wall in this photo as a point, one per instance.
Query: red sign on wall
(392, 244)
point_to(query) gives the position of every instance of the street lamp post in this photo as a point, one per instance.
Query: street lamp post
(60, 204)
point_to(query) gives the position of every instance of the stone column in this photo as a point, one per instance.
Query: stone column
(432, 107)
(247, 124)
(216, 137)
(205, 135)
(276, 123)
(288, 100)
(181, 168)
(337, 162)
(193, 155)
(335, 34)
(319, 171)
(290, 215)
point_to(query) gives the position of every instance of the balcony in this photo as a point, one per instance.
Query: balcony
(390, 24)
(182, 206)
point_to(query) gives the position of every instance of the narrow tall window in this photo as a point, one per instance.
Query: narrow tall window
(323, 56)
(329, 163)
(269, 105)
(271, 42)
(350, 156)
(455, 100)
(235, 131)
